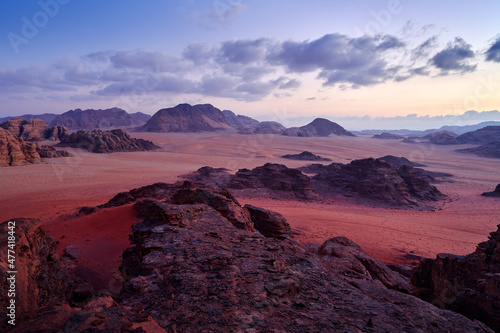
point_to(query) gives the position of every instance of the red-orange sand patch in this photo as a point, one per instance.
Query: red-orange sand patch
(101, 239)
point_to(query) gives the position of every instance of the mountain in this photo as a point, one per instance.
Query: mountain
(318, 127)
(98, 141)
(188, 118)
(239, 121)
(91, 119)
(46, 117)
(33, 129)
(388, 136)
(14, 151)
(481, 136)
(264, 127)
(490, 150)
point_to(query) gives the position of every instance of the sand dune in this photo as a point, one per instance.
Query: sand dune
(59, 186)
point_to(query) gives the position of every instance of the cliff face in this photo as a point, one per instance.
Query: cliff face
(187, 118)
(466, 284)
(98, 141)
(14, 151)
(33, 129)
(91, 119)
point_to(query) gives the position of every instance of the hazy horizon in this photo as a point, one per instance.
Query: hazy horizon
(290, 60)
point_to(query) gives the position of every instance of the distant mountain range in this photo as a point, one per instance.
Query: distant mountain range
(90, 119)
(206, 117)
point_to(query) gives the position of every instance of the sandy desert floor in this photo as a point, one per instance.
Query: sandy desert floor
(57, 187)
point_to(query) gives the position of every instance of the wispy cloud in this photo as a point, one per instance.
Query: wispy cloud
(493, 53)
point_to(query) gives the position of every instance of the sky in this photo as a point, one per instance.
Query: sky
(272, 60)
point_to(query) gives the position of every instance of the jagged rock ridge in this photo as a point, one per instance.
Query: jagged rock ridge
(466, 284)
(318, 127)
(99, 141)
(33, 129)
(91, 119)
(14, 151)
(305, 156)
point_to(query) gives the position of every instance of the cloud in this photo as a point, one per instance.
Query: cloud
(493, 53)
(340, 59)
(455, 58)
(311, 99)
(243, 51)
(424, 48)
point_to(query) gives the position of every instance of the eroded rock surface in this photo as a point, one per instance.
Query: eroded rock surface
(98, 141)
(466, 284)
(14, 151)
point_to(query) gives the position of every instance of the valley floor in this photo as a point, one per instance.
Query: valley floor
(57, 187)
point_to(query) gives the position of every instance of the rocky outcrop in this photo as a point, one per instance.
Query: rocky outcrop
(318, 127)
(98, 141)
(490, 150)
(305, 156)
(399, 161)
(388, 136)
(239, 122)
(494, 194)
(14, 151)
(91, 119)
(28, 130)
(443, 138)
(187, 118)
(195, 269)
(265, 127)
(55, 133)
(274, 180)
(33, 129)
(376, 180)
(466, 284)
(269, 223)
(482, 136)
(42, 279)
(46, 151)
(190, 267)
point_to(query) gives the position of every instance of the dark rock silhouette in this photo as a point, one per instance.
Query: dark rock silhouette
(43, 278)
(481, 136)
(238, 121)
(33, 129)
(98, 141)
(305, 156)
(443, 138)
(494, 194)
(187, 118)
(466, 284)
(376, 180)
(14, 151)
(388, 136)
(318, 127)
(91, 119)
(490, 150)
(191, 266)
(46, 151)
(265, 127)
(275, 180)
(399, 161)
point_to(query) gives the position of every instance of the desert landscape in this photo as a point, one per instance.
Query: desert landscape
(400, 202)
(233, 166)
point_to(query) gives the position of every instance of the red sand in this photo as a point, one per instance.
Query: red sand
(101, 238)
(58, 187)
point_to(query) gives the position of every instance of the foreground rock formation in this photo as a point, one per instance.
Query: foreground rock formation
(370, 181)
(14, 151)
(33, 129)
(199, 261)
(466, 284)
(305, 156)
(91, 119)
(98, 141)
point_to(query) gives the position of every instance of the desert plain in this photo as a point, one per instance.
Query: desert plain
(54, 190)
